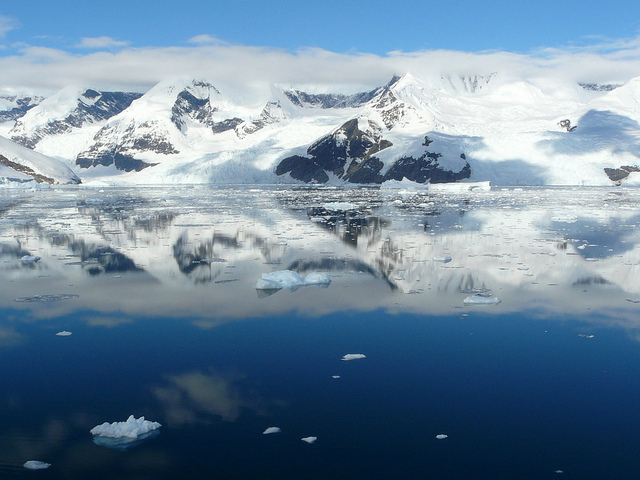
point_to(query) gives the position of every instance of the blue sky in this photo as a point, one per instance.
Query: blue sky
(374, 26)
(45, 44)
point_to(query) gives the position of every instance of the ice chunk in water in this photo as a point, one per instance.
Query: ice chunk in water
(271, 430)
(29, 259)
(309, 439)
(290, 280)
(63, 333)
(442, 436)
(352, 356)
(480, 300)
(36, 465)
(132, 428)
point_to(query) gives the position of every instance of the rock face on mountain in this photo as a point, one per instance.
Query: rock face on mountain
(13, 107)
(67, 112)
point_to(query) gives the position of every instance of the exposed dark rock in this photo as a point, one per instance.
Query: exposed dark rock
(23, 105)
(425, 169)
(26, 170)
(566, 124)
(618, 174)
(596, 87)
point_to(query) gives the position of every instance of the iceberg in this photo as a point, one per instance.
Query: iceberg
(291, 280)
(309, 439)
(442, 436)
(36, 465)
(63, 333)
(480, 300)
(47, 298)
(271, 430)
(123, 435)
(352, 356)
(29, 259)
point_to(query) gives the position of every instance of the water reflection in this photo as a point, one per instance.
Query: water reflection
(199, 252)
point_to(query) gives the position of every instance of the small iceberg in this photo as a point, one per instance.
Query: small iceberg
(47, 298)
(352, 356)
(444, 259)
(480, 300)
(291, 280)
(36, 465)
(124, 435)
(63, 333)
(309, 439)
(442, 436)
(29, 259)
(271, 430)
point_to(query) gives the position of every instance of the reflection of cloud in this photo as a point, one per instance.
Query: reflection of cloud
(107, 321)
(191, 397)
(9, 337)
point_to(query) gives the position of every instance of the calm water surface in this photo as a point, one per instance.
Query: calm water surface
(157, 287)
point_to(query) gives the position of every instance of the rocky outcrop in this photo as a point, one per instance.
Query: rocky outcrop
(619, 174)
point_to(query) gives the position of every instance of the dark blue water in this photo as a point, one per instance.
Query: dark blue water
(518, 397)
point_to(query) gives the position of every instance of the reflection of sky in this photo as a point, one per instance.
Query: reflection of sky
(199, 252)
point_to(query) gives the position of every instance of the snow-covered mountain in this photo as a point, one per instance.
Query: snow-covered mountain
(20, 164)
(507, 130)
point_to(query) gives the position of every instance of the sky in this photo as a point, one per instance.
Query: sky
(47, 44)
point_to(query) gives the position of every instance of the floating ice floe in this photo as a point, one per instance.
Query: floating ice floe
(63, 333)
(36, 465)
(340, 206)
(124, 435)
(335, 376)
(442, 436)
(47, 298)
(480, 300)
(445, 259)
(271, 430)
(29, 259)
(352, 356)
(309, 439)
(291, 280)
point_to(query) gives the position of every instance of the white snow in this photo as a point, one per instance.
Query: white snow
(480, 300)
(36, 465)
(271, 430)
(132, 428)
(309, 439)
(352, 356)
(291, 280)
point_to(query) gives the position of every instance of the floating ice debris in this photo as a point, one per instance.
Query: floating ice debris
(633, 300)
(36, 465)
(585, 336)
(63, 333)
(442, 436)
(291, 280)
(445, 259)
(271, 430)
(340, 206)
(29, 259)
(559, 471)
(309, 439)
(353, 356)
(460, 187)
(47, 298)
(335, 376)
(480, 300)
(125, 432)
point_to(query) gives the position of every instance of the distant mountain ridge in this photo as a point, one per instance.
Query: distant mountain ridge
(510, 131)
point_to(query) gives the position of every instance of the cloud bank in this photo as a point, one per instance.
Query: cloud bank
(238, 69)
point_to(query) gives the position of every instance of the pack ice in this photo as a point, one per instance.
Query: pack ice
(291, 280)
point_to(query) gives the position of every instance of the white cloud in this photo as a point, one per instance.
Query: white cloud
(206, 40)
(7, 24)
(247, 72)
(100, 42)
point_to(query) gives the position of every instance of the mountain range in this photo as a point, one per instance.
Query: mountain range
(497, 128)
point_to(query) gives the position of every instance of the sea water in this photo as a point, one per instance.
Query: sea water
(154, 293)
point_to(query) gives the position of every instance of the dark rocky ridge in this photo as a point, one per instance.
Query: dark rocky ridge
(23, 105)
